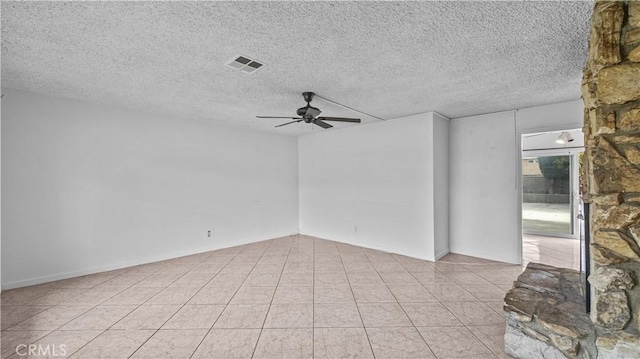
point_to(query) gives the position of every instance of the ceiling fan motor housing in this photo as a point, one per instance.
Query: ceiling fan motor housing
(308, 113)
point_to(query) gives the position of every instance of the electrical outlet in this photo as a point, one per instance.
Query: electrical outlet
(209, 233)
(355, 229)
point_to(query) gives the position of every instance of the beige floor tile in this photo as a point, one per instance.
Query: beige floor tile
(208, 267)
(411, 293)
(174, 295)
(192, 280)
(358, 266)
(450, 293)
(293, 295)
(466, 278)
(147, 316)
(500, 276)
(328, 267)
(414, 264)
(57, 296)
(87, 281)
(253, 295)
(388, 266)
(474, 313)
(487, 292)
(454, 342)
(492, 337)
(52, 318)
(242, 316)
(398, 342)
(497, 307)
(330, 279)
(333, 295)
(446, 268)
(228, 279)
(430, 315)
(12, 315)
(398, 278)
(298, 267)
(62, 344)
(12, 339)
(124, 280)
(213, 295)
(228, 344)
(195, 317)
(372, 294)
(296, 280)
(434, 277)
(285, 343)
(171, 344)
(290, 316)
(383, 315)
(262, 280)
(94, 296)
(268, 268)
(114, 344)
(20, 296)
(331, 343)
(336, 315)
(364, 279)
(133, 296)
(158, 280)
(99, 318)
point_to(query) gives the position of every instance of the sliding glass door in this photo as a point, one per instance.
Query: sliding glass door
(549, 195)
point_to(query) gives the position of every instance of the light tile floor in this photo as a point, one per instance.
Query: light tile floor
(291, 297)
(553, 251)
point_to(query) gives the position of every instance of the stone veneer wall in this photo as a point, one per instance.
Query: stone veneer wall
(611, 174)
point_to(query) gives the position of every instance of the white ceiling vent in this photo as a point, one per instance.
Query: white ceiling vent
(244, 64)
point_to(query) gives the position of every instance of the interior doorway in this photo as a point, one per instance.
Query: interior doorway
(551, 200)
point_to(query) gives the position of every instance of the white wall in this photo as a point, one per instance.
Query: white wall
(87, 188)
(484, 187)
(441, 185)
(372, 185)
(485, 190)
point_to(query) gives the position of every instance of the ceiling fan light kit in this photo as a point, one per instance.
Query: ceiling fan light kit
(309, 114)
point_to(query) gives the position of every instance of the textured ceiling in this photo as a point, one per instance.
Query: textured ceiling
(389, 59)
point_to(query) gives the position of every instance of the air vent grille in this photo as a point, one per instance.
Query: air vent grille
(244, 64)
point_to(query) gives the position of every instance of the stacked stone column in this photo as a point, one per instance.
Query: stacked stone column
(610, 177)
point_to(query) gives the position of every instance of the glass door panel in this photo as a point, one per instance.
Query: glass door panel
(547, 195)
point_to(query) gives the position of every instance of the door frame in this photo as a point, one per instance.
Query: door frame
(518, 173)
(574, 183)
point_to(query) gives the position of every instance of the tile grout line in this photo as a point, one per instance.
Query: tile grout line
(137, 307)
(356, 302)
(185, 303)
(255, 347)
(144, 302)
(85, 312)
(398, 302)
(234, 294)
(445, 306)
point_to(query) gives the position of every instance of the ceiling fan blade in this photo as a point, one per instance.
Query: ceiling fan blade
(340, 119)
(288, 123)
(322, 124)
(289, 117)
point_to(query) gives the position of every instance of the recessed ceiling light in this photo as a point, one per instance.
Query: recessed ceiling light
(244, 64)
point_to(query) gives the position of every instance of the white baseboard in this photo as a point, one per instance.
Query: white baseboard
(493, 257)
(126, 264)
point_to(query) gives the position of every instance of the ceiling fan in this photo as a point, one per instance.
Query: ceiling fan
(309, 114)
